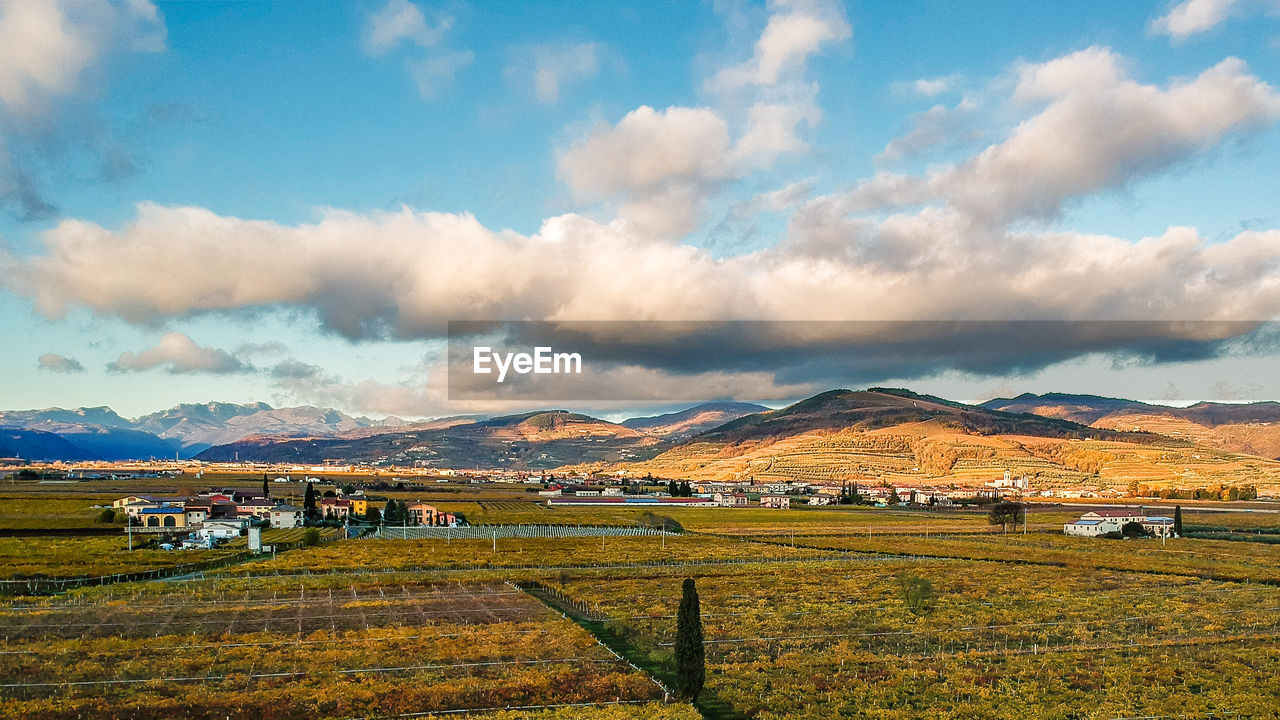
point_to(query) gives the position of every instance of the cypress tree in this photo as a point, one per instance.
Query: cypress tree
(691, 671)
(309, 502)
(1177, 520)
(266, 489)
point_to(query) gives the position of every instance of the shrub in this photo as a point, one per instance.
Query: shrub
(106, 517)
(311, 537)
(917, 594)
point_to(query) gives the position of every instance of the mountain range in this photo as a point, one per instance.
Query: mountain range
(900, 430)
(257, 431)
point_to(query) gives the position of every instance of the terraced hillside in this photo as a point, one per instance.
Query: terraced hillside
(902, 438)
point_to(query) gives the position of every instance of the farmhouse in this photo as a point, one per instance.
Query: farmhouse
(781, 502)
(423, 514)
(287, 516)
(1101, 522)
(730, 499)
(339, 509)
(222, 529)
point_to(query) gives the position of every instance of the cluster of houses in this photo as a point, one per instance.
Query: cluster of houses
(1097, 523)
(221, 514)
(780, 494)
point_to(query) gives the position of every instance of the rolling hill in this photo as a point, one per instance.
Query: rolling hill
(1250, 428)
(533, 441)
(898, 437)
(687, 423)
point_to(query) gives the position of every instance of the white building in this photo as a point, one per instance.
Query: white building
(287, 516)
(222, 529)
(1091, 528)
(781, 502)
(730, 499)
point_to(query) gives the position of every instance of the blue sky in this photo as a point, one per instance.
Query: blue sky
(658, 160)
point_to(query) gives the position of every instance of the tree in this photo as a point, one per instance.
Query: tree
(373, 515)
(1177, 521)
(266, 487)
(917, 594)
(1133, 530)
(691, 670)
(107, 516)
(672, 490)
(1005, 513)
(309, 502)
(311, 537)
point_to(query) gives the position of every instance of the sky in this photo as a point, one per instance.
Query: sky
(289, 201)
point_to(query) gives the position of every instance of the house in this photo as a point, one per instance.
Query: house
(822, 500)
(287, 516)
(781, 502)
(1101, 522)
(256, 507)
(1158, 525)
(196, 513)
(223, 510)
(222, 529)
(1091, 528)
(359, 505)
(124, 502)
(170, 516)
(424, 514)
(730, 499)
(338, 508)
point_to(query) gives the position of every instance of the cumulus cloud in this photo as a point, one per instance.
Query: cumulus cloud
(1193, 16)
(796, 30)
(1098, 130)
(549, 68)
(959, 255)
(661, 162)
(50, 45)
(179, 355)
(430, 64)
(54, 362)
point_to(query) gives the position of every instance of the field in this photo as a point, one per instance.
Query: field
(91, 556)
(274, 652)
(835, 641)
(804, 610)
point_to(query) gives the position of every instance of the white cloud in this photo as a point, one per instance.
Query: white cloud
(932, 87)
(435, 74)
(430, 64)
(49, 45)
(179, 354)
(1097, 130)
(796, 30)
(646, 149)
(1191, 17)
(54, 362)
(659, 164)
(550, 68)
(938, 126)
(401, 21)
(51, 51)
